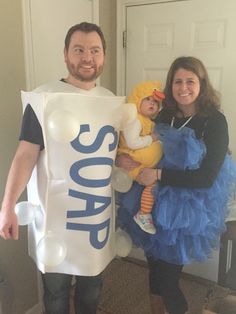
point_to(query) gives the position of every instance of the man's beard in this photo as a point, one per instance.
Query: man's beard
(75, 72)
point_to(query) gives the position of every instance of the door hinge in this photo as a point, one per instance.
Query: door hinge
(124, 39)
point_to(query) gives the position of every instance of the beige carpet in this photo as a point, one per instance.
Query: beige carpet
(125, 290)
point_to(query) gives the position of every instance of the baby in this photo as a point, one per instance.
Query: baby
(140, 142)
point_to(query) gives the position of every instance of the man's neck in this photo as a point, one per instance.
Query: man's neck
(80, 84)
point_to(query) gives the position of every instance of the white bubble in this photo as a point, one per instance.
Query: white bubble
(120, 180)
(62, 126)
(26, 212)
(122, 243)
(51, 250)
(124, 115)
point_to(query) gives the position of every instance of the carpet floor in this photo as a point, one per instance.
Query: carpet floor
(125, 289)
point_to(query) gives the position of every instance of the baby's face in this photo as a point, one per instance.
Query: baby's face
(149, 107)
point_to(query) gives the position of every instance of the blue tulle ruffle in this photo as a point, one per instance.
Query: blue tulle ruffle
(189, 221)
(181, 148)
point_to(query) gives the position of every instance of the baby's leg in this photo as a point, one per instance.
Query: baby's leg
(143, 217)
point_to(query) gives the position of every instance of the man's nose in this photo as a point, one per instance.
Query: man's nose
(87, 55)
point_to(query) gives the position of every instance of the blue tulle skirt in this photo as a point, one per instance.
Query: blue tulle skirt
(189, 221)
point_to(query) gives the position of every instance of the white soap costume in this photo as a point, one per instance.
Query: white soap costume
(71, 181)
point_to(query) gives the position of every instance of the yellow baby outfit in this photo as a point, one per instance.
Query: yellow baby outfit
(136, 141)
(150, 152)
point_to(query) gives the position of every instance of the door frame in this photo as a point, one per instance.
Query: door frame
(121, 8)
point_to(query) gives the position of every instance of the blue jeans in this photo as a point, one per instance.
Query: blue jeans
(57, 293)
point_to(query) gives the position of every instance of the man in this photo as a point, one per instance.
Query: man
(84, 55)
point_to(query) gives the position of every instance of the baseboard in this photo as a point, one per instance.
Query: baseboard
(36, 309)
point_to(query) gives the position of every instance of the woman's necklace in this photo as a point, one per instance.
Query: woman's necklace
(183, 125)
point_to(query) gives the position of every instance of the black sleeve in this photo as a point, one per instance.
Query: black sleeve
(31, 130)
(216, 139)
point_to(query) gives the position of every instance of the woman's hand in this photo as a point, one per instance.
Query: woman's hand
(147, 176)
(126, 162)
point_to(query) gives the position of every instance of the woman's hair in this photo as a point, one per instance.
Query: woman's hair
(208, 99)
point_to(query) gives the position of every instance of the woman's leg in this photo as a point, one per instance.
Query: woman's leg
(56, 292)
(156, 300)
(164, 282)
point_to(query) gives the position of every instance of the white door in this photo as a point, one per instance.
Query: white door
(45, 26)
(158, 33)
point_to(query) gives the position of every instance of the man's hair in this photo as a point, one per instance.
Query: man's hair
(86, 28)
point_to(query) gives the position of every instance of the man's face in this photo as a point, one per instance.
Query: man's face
(85, 56)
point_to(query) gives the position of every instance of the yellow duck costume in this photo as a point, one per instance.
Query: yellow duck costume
(137, 142)
(145, 151)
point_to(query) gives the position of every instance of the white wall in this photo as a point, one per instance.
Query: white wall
(107, 21)
(15, 265)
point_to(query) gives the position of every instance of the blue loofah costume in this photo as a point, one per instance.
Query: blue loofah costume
(189, 221)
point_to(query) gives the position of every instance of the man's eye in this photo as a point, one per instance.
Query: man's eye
(78, 50)
(95, 51)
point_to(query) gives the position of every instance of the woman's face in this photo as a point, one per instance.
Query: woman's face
(185, 89)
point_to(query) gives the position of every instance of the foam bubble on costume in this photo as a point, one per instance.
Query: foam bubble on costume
(120, 180)
(123, 243)
(26, 212)
(51, 250)
(62, 126)
(124, 115)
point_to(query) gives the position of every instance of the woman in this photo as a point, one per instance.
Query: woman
(189, 211)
